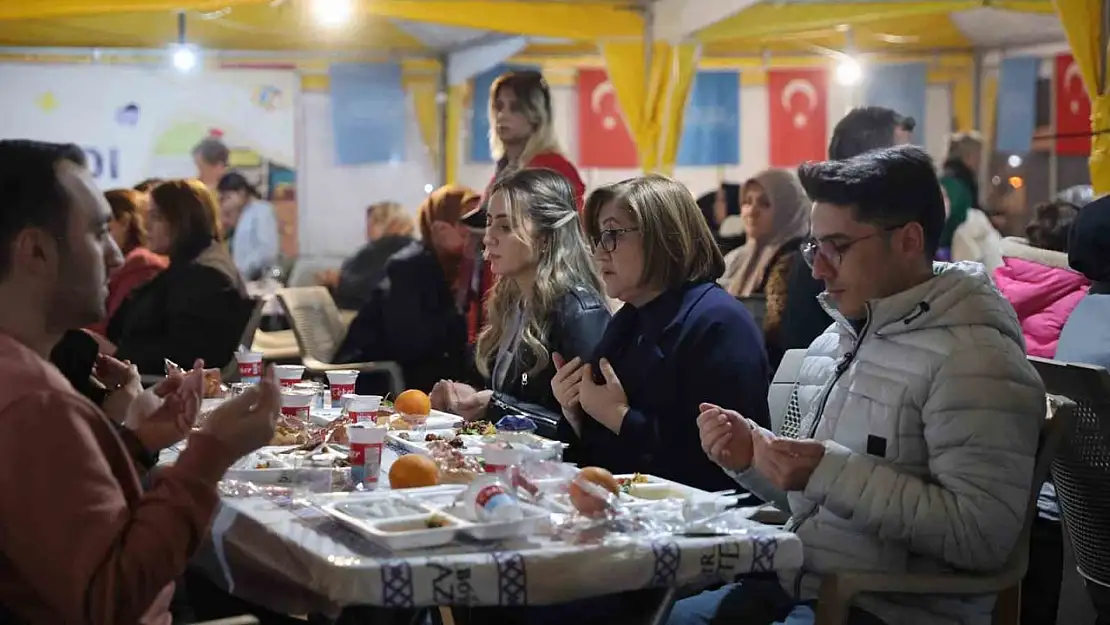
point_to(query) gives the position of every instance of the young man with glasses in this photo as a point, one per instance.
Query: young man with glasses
(910, 438)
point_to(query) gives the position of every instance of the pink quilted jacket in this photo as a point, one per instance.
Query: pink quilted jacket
(1042, 290)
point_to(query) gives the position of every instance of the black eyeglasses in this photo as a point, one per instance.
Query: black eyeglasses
(607, 239)
(833, 251)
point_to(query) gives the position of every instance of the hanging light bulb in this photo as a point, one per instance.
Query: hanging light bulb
(848, 71)
(184, 58)
(333, 13)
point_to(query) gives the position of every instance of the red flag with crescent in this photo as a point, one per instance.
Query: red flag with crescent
(603, 139)
(799, 115)
(1073, 109)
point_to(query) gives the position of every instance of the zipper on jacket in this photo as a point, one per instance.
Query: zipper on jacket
(795, 524)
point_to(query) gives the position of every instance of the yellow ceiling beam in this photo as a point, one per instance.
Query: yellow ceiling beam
(23, 9)
(568, 20)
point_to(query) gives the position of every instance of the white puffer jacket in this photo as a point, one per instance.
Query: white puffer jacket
(931, 417)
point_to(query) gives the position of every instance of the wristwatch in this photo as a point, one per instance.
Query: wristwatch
(145, 459)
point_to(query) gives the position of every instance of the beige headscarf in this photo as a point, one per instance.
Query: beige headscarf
(747, 266)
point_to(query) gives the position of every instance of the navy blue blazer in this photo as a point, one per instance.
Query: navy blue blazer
(694, 343)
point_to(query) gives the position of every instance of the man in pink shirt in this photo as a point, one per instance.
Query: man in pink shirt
(81, 541)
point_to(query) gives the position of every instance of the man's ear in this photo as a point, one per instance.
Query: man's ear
(33, 248)
(912, 239)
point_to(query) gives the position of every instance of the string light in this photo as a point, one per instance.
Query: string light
(332, 13)
(1014, 161)
(184, 58)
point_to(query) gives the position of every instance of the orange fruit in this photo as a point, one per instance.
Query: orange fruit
(586, 502)
(413, 402)
(413, 471)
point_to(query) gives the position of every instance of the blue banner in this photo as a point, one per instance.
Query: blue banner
(711, 128)
(479, 110)
(899, 86)
(1017, 104)
(369, 112)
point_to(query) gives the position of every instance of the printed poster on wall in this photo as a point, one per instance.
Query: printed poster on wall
(137, 123)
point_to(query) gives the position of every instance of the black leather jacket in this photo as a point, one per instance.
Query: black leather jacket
(577, 325)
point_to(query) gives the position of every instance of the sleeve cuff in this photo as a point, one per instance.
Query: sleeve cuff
(205, 458)
(635, 428)
(827, 472)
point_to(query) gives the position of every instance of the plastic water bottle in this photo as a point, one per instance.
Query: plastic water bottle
(491, 501)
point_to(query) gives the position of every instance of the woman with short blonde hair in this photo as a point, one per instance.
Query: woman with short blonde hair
(679, 341)
(385, 219)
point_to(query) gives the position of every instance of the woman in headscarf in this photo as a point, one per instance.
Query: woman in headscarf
(775, 211)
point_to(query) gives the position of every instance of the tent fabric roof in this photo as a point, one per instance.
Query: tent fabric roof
(426, 27)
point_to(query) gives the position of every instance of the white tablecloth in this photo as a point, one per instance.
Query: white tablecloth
(299, 560)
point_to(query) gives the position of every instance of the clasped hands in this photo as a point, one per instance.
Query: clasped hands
(735, 444)
(575, 390)
(159, 416)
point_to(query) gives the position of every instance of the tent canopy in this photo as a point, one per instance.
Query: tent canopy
(430, 27)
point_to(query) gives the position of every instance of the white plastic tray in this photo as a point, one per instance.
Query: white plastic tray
(437, 420)
(407, 529)
(473, 442)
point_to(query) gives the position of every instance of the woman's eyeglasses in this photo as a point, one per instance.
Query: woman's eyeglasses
(607, 239)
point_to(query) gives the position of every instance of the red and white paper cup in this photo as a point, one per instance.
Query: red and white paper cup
(364, 408)
(365, 453)
(341, 383)
(297, 405)
(288, 375)
(250, 367)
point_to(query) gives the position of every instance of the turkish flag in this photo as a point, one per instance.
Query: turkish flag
(1073, 109)
(603, 139)
(799, 115)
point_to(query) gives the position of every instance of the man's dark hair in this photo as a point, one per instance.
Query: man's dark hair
(865, 129)
(212, 151)
(31, 196)
(235, 181)
(888, 187)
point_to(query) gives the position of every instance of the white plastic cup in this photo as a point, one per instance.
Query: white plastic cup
(365, 454)
(345, 401)
(341, 383)
(498, 459)
(296, 405)
(364, 408)
(250, 367)
(288, 375)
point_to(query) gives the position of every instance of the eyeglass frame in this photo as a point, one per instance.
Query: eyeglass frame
(611, 234)
(811, 247)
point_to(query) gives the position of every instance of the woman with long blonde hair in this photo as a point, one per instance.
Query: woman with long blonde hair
(546, 305)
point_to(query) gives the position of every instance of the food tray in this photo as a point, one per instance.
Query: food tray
(634, 494)
(473, 443)
(437, 420)
(405, 527)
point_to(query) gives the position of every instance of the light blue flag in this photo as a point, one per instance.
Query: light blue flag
(899, 86)
(711, 128)
(369, 112)
(1017, 104)
(479, 110)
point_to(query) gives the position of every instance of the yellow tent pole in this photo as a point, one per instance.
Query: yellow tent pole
(456, 94)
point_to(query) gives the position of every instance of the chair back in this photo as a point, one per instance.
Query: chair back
(315, 319)
(757, 306)
(230, 372)
(1081, 470)
(782, 386)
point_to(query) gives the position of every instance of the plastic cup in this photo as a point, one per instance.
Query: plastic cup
(250, 367)
(345, 402)
(341, 383)
(296, 405)
(498, 459)
(365, 454)
(363, 408)
(288, 375)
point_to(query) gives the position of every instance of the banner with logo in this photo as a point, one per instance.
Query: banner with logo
(798, 115)
(711, 127)
(1073, 109)
(603, 137)
(1016, 119)
(479, 110)
(901, 87)
(369, 111)
(137, 123)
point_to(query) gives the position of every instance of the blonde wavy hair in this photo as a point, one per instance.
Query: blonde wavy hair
(393, 218)
(534, 99)
(541, 209)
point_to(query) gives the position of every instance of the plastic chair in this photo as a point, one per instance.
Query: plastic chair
(782, 385)
(757, 306)
(838, 589)
(320, 329)
(1081, 471)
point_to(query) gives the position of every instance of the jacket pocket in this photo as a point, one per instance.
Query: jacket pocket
(870, 412)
